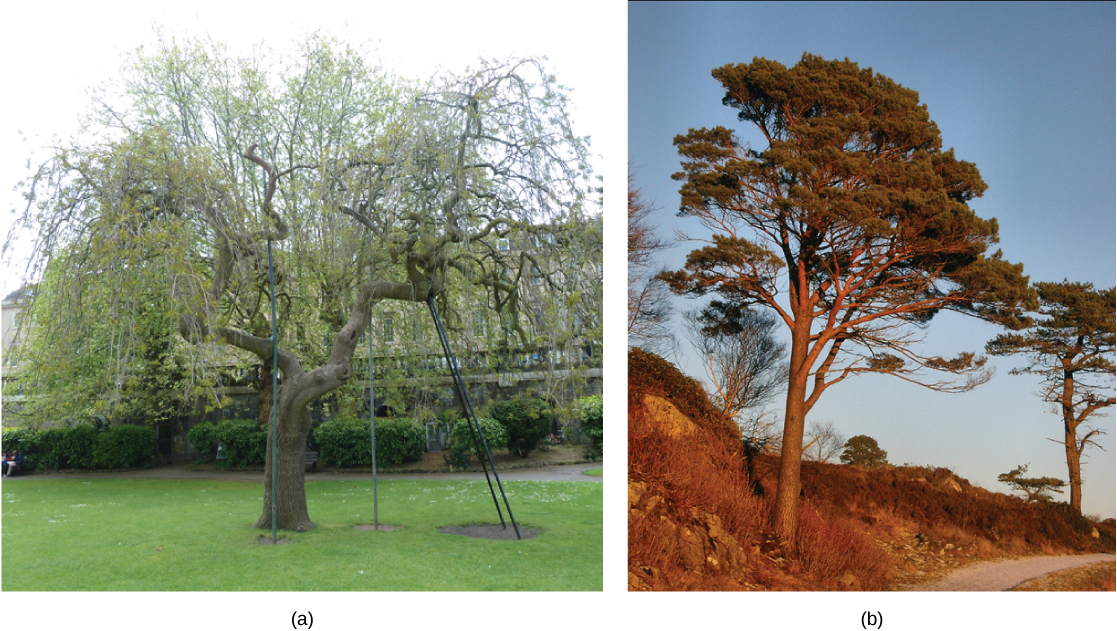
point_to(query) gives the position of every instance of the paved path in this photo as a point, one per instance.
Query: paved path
(551, 473)
(1004, 575)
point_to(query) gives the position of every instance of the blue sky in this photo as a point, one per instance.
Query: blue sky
(1026, 92)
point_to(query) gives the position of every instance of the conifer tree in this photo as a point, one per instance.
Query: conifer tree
(1072, 349)
(852, 224)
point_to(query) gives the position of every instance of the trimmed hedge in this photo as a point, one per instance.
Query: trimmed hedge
(203, 437)
(527, 420)
(83, 447)
(246, 443)
(591, 418)
(124, 447)
(461, 440)
(346, 442)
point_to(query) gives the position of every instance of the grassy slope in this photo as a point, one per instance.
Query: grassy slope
(848, 515)
(177, 535)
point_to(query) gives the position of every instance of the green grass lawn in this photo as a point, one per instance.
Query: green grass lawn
(182, 535)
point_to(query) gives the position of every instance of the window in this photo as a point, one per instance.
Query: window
(479, 325)
(389, 334)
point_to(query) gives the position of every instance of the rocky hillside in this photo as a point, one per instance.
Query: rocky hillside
(698, 520)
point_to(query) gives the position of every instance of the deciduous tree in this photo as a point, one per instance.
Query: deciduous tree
(1071, 347)
(743, 359)
(864, 451)
(369, 188)
(649, 300)
(851, 223)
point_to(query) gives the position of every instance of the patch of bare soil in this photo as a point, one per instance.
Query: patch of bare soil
(1100, 577)
(377, 527)
(490, 531)
(267, 541)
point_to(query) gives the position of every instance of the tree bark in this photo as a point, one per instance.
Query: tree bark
(786, 518)
(1070, 434)
(264, 393)
(1074, 469)
(291, 509)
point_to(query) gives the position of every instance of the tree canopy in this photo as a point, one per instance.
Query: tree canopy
(852, 224)
(1035, 489)
(863, 451)
(369, 187)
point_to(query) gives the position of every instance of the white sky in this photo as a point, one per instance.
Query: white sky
(50, 53)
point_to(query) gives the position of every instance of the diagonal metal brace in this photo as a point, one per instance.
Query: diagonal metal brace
(471, 417)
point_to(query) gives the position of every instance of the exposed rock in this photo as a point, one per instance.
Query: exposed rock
(952, 484)
(697, 540)
(849, 581)
(669, 418)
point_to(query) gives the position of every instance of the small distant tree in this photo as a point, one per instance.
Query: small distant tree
(864, 450)
(1037, 489)
(824, 443)
(1072, 349)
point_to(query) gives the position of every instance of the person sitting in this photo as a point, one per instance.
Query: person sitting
(7, 457)
(13, 465)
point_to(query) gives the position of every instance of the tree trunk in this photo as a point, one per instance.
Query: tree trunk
(264, 393)
(1074, 469)
(291, 511)
(1070, 436)
(786, 516)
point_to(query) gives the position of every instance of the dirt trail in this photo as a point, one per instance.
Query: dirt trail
(1003, 575)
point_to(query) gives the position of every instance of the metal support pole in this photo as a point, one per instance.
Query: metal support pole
(467, 407)
(274, 400)
(372, 417)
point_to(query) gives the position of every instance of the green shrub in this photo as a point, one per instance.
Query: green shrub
(78, 444)
(591, 418)
(50, 449)
(527, 420)
(399, 440)
(246, 443)
(25, 441)
(461, 440)
(124, 447)
(346, 442)
(203, 437)
(83, 447)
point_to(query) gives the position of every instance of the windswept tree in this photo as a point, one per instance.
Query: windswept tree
(649, 300)
(851, 224)
(1035, 489)
(1071, 348)
(368, 188)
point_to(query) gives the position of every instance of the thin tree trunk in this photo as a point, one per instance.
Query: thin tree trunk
(1070, 437)
(1074, 468)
